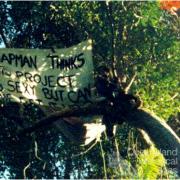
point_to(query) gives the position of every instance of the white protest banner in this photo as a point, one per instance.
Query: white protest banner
(63, 78)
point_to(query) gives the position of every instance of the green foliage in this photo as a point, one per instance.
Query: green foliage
(150, 164)
(162, 84)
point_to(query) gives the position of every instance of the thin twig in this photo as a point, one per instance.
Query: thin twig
(109, 11)
(174, 96)
(36, 154)
(117, 154)
(36, 151)
(104, 161)
(29, 164)
(127, 88)
(84, 152)
(25, 169)
(7, 44)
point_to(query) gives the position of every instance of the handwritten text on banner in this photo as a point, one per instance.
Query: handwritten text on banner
(59, 79)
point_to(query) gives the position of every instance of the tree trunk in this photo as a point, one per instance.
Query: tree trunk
(160, 133)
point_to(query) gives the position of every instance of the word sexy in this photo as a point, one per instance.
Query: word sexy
(56, 98)
(48, 84)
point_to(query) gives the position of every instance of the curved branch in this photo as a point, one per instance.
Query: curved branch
(158, 130)
(58, 115)
(160, 133)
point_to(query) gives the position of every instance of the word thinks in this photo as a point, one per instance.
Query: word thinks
(73, 62)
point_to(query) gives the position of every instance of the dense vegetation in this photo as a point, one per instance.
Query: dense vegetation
(138, 37)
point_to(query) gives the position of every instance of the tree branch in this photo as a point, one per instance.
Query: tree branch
(109, 10)
(7, 44)
(89, 109)
(160, 133)
(158, 130)
(127, 88)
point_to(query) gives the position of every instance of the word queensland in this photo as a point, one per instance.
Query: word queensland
(62, 78)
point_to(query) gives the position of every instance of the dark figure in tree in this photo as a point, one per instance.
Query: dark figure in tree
(117, 101)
